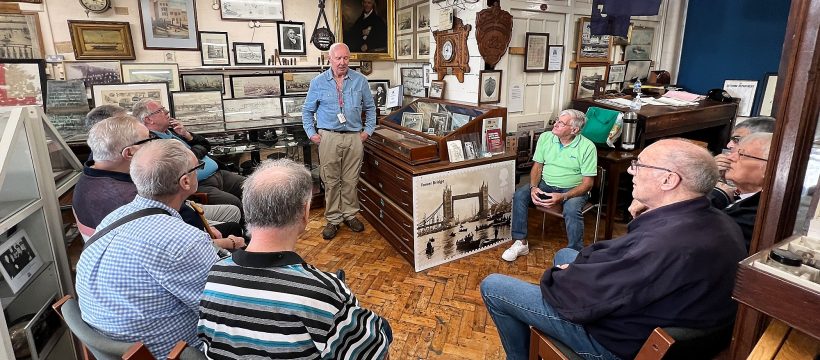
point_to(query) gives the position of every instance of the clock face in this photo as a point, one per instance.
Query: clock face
(447, 50)
(96, 5)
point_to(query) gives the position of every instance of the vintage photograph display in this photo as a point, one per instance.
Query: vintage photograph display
(143, 72)
(439, 124)
(213, 48)
(101, 40)
(292, 106)
(248, 53)
(378, 88)
(455, 151)
(423, 17)
(240, 113)
(291, 38)
(412, 79)
(255, 85)
(199, 111)
(404, 47)
(19, 260)
(640, 43)
(22, 38)
(591, 48)
(22, 82)
(203, 82)
(260, 10)
(586, 75)
(371, 37)
(536, 55)
(461, 212)
(169, 24)
(412, 120)
(458, 120)
(297, 83)
(617, 73)
(404, 21)
(555, 57)
(126, 95)
(66, 107)
(745, 91)
(637, 69)
(437, 89)
(489, 87)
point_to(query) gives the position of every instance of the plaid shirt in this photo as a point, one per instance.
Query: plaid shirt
(142, 281)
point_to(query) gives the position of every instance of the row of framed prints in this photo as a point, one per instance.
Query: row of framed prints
(587, 75)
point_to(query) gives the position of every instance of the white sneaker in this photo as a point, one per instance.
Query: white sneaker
(517, 249)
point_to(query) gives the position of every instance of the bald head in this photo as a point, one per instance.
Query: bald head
(157, 168)
(696, 166)
(276, 194)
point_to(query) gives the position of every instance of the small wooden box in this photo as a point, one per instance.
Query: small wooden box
(412, 148)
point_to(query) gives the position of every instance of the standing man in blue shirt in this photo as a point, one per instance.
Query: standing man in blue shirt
(332, 118)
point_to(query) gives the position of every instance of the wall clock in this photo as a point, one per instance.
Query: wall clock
(452, 56)
(96, 6)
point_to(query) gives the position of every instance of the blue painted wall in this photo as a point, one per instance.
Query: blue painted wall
(731, 39)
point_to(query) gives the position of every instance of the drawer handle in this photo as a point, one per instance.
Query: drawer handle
(409, 226)
(381, 201)
(401, 250)
(405, 239)
(402, 190)
(381, 214)
(399, 178)
(363, 200)
(376, 162)
(405, 204)
(380, 185)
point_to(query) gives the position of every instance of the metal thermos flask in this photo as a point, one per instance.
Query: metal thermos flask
(630, 131)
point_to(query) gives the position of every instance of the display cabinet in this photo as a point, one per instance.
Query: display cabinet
(34, 166)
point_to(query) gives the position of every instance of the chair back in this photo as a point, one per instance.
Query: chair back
(596, 194)
(182, 351)
(102, 347)
(698, 343)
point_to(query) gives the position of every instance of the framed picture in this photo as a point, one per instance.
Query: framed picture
(745, 91)
(41, 328)
(292, 106)
(423, 17)
(535, 58)
(455, 151)
(489, 87)
(439, 123)
(101, 40)
(423, 45)
(291, 38)
(126, 95)
(591, 48)
(67, 106)
(368, 28)
(141, 72)
(378, 88)
(412, 120)
(240, 113)
(427, 72)
(458, 120)
(470, 150)
(437, 89)
(616, 73)
(585, 77)
(555, 58)
(412, 79)
(641, 35)
(404, 45)
(199, 111)
(255, 85)
(765, 102)
(203, 82)
(404, 21)
(261, 10)
(169, 24)
(22, 82)
(637, 69)
(93, 72)
(213, 48)
(297, 83)
(19, 260)
(248, 53)
(22, 38)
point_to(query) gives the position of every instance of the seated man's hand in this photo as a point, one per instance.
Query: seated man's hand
(543, 198)
(637, 208)
(723, 162)
(215, 232)
(230, 243)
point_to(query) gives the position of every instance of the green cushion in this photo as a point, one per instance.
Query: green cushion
(599, 123)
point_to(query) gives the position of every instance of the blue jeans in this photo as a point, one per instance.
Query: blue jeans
(573, 218)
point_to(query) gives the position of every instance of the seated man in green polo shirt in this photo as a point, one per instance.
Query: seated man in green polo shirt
(565, 167)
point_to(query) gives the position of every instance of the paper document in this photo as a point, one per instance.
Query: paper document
(683, 96)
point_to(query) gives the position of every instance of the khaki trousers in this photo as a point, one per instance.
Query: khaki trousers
(340, 156)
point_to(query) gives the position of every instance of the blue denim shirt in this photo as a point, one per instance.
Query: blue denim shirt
(323, 102)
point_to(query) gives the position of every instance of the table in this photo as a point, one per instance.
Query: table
(615, 162)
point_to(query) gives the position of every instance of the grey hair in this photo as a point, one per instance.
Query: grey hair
(101, 112)
(695, 165)
(158, 166)
(764, 139)
(275, 195)
(577, 119)
(758, 124)
(336, 46)
(107, 138)
(140, 109)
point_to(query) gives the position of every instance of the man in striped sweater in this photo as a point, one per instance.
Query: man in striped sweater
(266, 302)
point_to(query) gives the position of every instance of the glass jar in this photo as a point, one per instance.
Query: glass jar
(785, 260)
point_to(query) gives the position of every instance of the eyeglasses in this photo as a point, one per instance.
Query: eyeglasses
(157, 111)
(743, 154)
(151, 137)
(561, 123)
(199, 166)
(735, 139)
(635, 165)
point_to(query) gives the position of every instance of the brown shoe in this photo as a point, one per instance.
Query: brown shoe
(330, 231)
(354, 224)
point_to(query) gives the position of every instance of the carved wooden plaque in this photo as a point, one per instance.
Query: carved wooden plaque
(493, 33)
(452, 56)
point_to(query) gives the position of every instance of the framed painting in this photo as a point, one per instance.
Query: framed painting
(291, 38)
(203, 82)
(617, 72)
(142, 72)
(292, 106)
(248, 53)
(637, 69)
(169, 24)
(489, 87)
(404, 21)
(22, 82)
(405, 47)
(199, 111)
(378, 88)
(412, 80)
(765, 102)
(368, 28)
(437, 89)
(423, 17)
(21, 36)
(213, 48)
(93, 72)
(585, 77)
(101, 40)
(252, 112)
(423, 45)
(260, 10)
(255, 85)
(297, 83)
(535, 58)
(126, 95)
(591, 48)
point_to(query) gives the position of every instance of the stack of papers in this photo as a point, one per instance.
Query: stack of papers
(617, 102)
(684, 96)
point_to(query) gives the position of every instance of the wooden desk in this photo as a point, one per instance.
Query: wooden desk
(615, 162)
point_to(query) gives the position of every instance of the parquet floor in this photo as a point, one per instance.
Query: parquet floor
(437, 313)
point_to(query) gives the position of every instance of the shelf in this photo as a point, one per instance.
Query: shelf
(7, 297)
(272, 68)
(10, 208)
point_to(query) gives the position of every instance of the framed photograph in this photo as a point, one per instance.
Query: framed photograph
(585, 78)
(617, 73)
(169, 24)
(439, 123)
(199, 111)
(261, 10)
(241, 113)
(93, 72)
(248, 53)
(22, 82)
(101, 40)
(22, 38)
(591, 48)
(641, 35)
(458, 120)
(745, 91)
(489, 87)
(470, 150)
(535, 58)
(404, 47)
(404, 21)
(19, 260)
(765, 102)
(126, 95)
(203, 82)
(213, 48)
(412, 120)
(437, 89)
(423, 17)
(292, 106)
(141, 72)
(255, 85)
(555, 58)
(298, 83)
(291, 38)
(455, 151)
(423, 45)
(67, 106)
(637, 69)
(41, 328)
(412, 79)
(427, 72)
(368, 28)
(378, 88)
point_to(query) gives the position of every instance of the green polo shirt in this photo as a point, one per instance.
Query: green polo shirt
(565, 166)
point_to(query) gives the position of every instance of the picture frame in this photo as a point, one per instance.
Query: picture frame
(101, 40)
(145, 72)
(412, 120)
(213, 48)
(423, 46)
(22, 82)
(637, 52)
(379, 97)
(200, 111)
(252, 112)
(291, 38)
(536, 54)
(245, 53)
(458, 120)
(67, 107)
(41, 328)
(412, 79)
(637, 69)
(292, 106)
(745, 91)
(591, 48)
(764, 106)
(255, 85)
(22, 36)
(489, 87)
(126, 95)
(351, 24)
(94, 72)
(405, 23)
(19, 260)
(404, 47)
(427, 72)
(439, 122)
(455, 151)
(555, 58)
(423, 17)
(616, 73)
(437, 89)
(297, 83)
(258, 10)
(586, 76)
(470, 152)
(168, 30)
(203, 82)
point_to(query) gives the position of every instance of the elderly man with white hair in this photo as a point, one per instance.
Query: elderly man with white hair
(564, 169)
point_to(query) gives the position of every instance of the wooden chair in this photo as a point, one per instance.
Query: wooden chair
(182, 351)
(94, 344)
(595, 201)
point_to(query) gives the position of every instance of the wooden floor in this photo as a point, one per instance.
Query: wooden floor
(437, 313)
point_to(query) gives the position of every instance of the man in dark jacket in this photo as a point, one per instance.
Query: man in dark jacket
(369, 32)
(674, 268)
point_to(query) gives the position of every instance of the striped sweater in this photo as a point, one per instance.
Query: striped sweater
(273, 305)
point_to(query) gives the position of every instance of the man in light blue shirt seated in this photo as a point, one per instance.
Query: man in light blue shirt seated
(142, 280)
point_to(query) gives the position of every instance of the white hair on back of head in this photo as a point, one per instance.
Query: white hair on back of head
(577, 119)
(140, 109)
(107, 138)
(275, 195)
(695, 165)
(158, 166)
